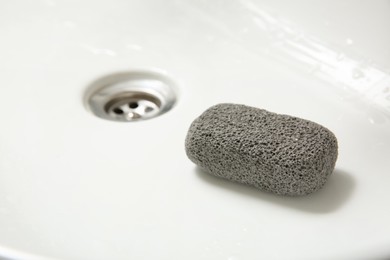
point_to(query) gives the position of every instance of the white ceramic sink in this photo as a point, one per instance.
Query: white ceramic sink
(74, 186)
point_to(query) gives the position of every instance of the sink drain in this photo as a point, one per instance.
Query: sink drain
(131, 96)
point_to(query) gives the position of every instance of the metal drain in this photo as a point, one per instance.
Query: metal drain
(131, 96)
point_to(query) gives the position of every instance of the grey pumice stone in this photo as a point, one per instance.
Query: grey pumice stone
(282, 154)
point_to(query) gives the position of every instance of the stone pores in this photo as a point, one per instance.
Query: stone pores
(282, 154)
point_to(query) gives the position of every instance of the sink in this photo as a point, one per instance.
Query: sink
(76, 186)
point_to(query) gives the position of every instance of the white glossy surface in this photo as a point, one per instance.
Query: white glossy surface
(73, 186)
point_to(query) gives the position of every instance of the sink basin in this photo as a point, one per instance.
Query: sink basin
(76, 186)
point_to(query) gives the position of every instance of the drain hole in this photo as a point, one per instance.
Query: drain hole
(132, 96)
(133, 105)
(118, 111)
(121, 107)
(149, 109)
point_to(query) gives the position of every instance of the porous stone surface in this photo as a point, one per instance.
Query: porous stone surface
(282, 154)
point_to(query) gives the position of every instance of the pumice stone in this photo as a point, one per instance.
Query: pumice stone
(282, 154)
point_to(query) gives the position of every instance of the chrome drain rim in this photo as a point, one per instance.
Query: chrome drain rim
(131, 96)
